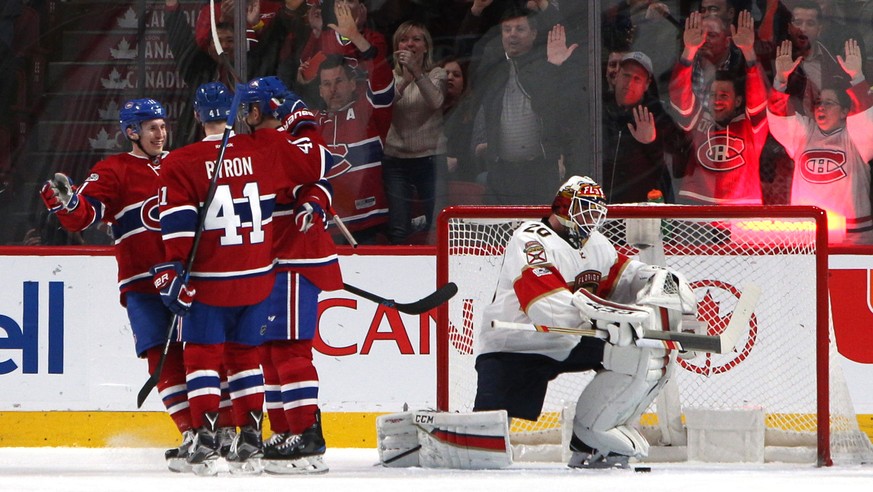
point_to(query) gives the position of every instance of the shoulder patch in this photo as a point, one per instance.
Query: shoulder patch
(535, 253)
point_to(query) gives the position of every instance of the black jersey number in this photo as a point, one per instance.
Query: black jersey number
(538, 229)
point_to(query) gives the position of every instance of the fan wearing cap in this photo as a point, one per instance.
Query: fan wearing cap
(635, 127)
(544, 264)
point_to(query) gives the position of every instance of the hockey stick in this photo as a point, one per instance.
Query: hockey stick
(222, 55)
(423, 305)
(198, 233)
(716, 344)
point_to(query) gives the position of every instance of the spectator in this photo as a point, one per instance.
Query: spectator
(717, 53)
(412, 154)
(613, 61)
(721, 9)
(354, 120)
(351, 39)
(635, 128)
(831, 151)
(723, 166)
(520, 139)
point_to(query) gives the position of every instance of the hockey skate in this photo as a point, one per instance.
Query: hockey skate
(177, 458)
(226, 435)
(585, 457)
(204, 453)
(247, 449)
(298, 453)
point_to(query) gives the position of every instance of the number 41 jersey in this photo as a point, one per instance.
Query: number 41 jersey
(234, 259)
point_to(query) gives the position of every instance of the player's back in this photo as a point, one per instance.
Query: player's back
(236, 245)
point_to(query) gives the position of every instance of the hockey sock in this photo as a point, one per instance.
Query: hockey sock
(245, 380)
(225, 408)
(272, 392)
(202, 370)
(171, 385)
(293, 362)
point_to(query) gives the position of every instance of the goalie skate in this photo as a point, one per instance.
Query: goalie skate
(177, 458)
(585, 457)
(298, 453)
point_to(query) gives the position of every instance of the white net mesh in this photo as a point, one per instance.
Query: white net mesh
(773, 365)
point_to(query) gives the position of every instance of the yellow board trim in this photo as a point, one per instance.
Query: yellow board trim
(155, 429)
(149, 429)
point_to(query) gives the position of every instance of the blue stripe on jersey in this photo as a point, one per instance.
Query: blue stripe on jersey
(182, 219)
(130, 221)
(365, 152)
(383, 98)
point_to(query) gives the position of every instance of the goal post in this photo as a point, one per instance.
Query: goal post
(784, 364)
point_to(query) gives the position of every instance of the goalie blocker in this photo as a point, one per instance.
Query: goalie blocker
(466, 441)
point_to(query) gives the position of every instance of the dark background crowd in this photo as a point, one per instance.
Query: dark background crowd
(430, 103)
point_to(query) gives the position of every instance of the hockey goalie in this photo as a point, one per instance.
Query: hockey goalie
(561, 271)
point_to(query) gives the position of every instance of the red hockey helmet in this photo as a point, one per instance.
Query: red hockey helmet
(580, 206)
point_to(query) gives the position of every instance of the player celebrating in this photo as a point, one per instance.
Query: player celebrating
(545, 263)
(232, 272)
(306, 263)
(122, 191)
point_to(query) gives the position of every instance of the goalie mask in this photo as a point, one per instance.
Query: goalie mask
(580, 206)
(137, 111)
(212, 102)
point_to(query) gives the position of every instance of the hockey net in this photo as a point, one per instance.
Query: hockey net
(785, 364)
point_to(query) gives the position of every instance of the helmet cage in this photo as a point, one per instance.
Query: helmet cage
(580, 206)
(136, 111)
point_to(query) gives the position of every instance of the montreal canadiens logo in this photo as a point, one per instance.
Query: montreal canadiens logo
(341, 164)
(715, 307)
(150, 214)
(721, 153)
(823, 166)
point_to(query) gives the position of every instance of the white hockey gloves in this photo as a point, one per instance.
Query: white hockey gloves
(467, 441)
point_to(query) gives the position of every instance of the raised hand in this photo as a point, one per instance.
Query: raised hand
(852, 63)
(557, 51)
(784, 65)
(693, 36)
(643, 127)
(253, 12)
(346, 24)
(743, 34)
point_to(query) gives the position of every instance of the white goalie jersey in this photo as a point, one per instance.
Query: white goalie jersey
(540, 272)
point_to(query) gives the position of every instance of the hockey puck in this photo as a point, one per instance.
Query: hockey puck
(642, 469)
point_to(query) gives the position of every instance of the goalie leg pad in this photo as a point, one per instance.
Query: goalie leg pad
(467, 441)
(397, 440)
(616, 397)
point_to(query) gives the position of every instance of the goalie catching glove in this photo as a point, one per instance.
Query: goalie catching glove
(177, 296)
(59, 194)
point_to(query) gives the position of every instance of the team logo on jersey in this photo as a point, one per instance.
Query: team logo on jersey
(588, 280)
(823, 166)
(92, 177)
(535, 253)
(149, 214)
(721, 153)
(341, 165)
(715, 303)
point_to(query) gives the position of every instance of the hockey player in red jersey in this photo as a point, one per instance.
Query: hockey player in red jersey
(122, 191)
(306, 263)
(224, 299)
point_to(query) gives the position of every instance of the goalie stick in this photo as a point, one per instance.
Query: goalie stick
(716, 344)
(152, 381)
(423, 305)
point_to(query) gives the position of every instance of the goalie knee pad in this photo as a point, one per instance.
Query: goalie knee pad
(472, 441)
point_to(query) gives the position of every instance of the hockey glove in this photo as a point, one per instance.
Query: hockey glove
(306, 215)
(59, 194)
(177, 296)
(293, 113)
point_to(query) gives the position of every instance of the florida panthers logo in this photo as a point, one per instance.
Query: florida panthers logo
(823, 166)
(149, 214)
(341, 165)
(721, 153)
(715, 303)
